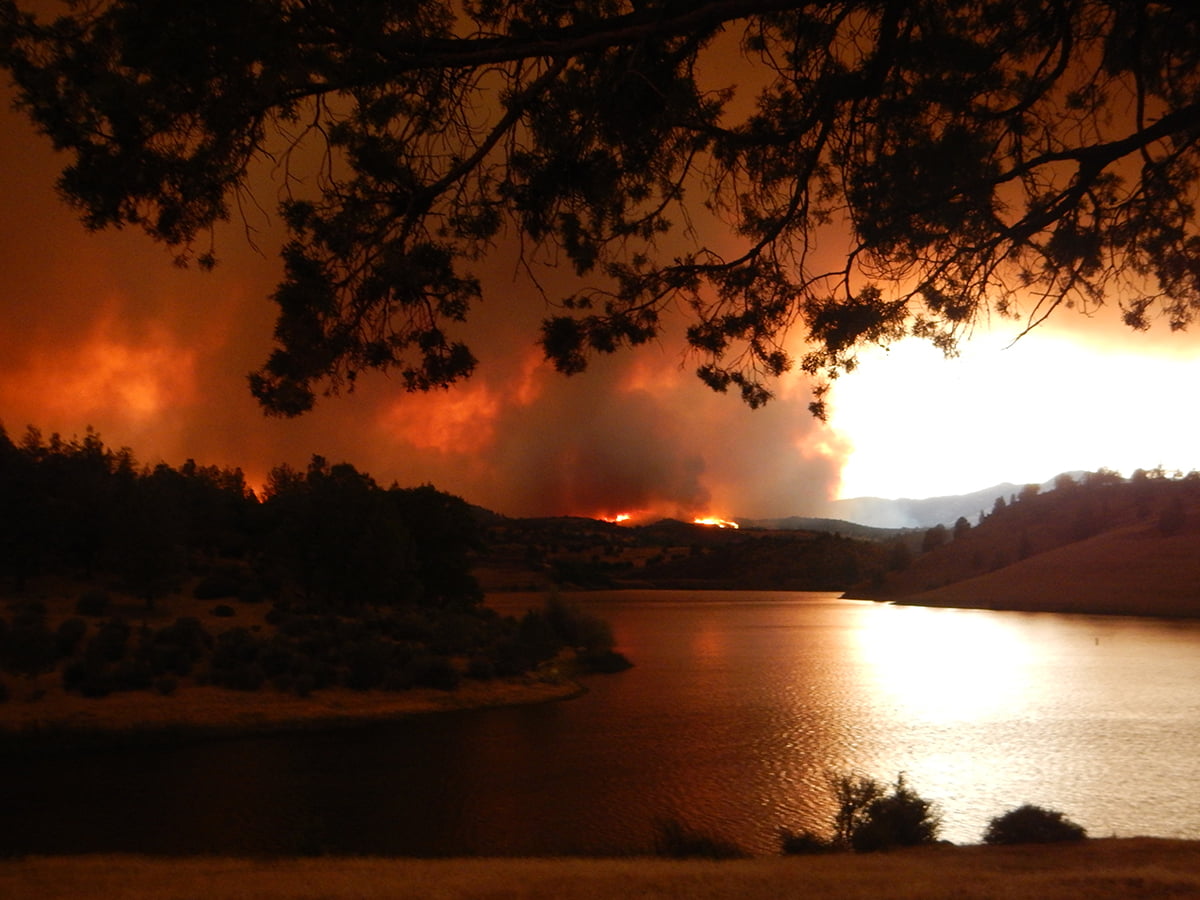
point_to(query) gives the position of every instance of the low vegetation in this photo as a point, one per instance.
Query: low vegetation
(676, 840)
(118, 578)
(869, 817)
(1030, 824)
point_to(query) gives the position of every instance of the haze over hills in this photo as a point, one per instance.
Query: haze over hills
(905, 512)
(1093, 542)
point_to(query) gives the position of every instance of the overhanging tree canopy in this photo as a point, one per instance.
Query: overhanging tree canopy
(964, 158)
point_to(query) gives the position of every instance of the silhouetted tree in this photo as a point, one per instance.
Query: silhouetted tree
(961, 528)
(870, 817)
(935, 537)
(899, 555)
(335, 535)
(23, 523)
(991, 157)
(1064, 483)
(28, 647)
(444, 534)
(147, 543)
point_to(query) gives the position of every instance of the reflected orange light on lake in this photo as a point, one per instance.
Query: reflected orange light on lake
(942, 665)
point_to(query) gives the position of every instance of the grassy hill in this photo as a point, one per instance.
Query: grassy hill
(1101, 546)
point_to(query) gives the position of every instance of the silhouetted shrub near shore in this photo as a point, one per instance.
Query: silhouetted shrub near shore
(803, 843)
(1031, 824)
(676, 840)
(869, 817)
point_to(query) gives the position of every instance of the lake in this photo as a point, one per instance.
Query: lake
(739, 707)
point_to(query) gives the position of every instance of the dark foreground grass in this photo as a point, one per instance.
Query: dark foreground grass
(1098, 870)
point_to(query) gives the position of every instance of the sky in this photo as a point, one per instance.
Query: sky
(102, 330)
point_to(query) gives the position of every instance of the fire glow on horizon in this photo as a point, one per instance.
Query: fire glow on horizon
(102, 330)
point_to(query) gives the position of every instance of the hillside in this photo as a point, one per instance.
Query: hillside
(1101, 546)
(579, 553)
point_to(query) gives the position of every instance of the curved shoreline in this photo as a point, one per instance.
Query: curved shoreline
(203, 713)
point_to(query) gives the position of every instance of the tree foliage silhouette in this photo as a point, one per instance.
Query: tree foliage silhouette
(965, 159)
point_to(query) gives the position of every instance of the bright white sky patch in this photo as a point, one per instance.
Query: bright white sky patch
(922, 425)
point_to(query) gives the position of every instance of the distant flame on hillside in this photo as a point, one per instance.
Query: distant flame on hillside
(617, 519)
(713, 520)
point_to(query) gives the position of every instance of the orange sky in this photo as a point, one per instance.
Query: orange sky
(103, 330)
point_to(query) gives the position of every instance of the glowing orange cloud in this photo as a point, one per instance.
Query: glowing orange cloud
(462, 421)
(105, 374)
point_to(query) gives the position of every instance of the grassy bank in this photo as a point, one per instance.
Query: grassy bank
(1098, 869)
(205, 711)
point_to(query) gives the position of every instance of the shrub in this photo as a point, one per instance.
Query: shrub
(223, 610)
(216, 585)
(899, 819)
(92, 603)
(481, 668)
(29, 649)
(69, 635)
(1031, 824)
(577, 628)
(803, 843)
(870, 819)
(367, 664)
(432, 671)
(28, 612)
(604, 662)
(108, 643)
(678, 841)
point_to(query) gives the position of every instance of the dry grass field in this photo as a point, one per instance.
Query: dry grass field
(1127, 571)
(1096, 870)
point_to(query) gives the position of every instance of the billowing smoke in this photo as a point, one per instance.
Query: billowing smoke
(102, 330)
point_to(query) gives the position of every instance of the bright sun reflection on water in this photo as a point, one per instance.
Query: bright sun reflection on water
(943, 665)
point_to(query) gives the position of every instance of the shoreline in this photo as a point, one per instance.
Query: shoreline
(203, 712)
(1100, 869)
(210, 713)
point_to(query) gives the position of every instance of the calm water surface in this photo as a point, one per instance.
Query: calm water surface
(739, 706)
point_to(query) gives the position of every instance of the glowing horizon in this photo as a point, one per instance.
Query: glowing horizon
(922, 426)
(102, 330)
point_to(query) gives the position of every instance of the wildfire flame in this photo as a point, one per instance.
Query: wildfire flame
(617, 519)
(713, 520)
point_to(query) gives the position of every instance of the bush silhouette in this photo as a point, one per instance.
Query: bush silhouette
(92, 603)
(1031, 824)
(870, 819)
(678, 841)
(803, 843)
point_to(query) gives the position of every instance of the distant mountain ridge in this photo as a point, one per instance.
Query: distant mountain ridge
(878, 512)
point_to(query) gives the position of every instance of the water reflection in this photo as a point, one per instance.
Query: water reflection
(738, 708)
(943, 665)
